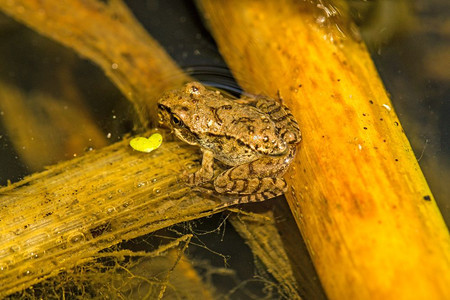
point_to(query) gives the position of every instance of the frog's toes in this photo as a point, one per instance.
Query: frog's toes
(222, 184)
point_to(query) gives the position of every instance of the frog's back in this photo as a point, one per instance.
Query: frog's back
(249, 127)
(235, 132)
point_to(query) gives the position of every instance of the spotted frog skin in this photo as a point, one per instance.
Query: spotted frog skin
(255, 136)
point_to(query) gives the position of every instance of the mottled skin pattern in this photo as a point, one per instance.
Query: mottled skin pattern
(255, 136)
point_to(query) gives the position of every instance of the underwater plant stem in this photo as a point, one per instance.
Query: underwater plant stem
(60, 218)
(356, 190)
(29, 129)
(110, 36)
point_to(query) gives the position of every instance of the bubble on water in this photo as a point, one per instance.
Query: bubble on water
(140, 184)
(18, 231)
(15, 248)
(190, 165)
(61, 243)
(100, 201)
(34, 254)
(110, 210)
(76, 238)
(127, 203)
(27, 272)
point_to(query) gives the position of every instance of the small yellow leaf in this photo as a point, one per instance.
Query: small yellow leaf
(147, 145)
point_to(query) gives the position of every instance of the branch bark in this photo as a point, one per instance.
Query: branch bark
(357, 192)
(88, 204)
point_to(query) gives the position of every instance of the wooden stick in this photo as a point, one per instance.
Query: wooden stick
(91, 203)
(359, 197)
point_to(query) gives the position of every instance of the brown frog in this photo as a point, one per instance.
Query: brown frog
(255, 136)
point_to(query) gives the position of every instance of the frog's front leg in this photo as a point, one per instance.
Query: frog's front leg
(205, 173)
(255, 181)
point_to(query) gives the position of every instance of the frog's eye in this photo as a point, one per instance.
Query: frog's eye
(176, 120)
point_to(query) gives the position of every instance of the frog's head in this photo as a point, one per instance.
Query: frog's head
(175, 111)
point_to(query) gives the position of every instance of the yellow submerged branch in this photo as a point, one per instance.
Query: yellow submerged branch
(357, 192)
(90, 203)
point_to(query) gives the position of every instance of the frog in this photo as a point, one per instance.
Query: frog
(254, 136)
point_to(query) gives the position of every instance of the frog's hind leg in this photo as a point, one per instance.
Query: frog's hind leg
(256, 197)
(268, 187)
(230, 200)
(255, 181)
(278, 113)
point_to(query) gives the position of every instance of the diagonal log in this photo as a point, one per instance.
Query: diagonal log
(61, 217)
(357, 192)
